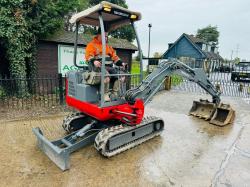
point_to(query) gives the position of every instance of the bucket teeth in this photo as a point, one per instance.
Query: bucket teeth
(220, 115)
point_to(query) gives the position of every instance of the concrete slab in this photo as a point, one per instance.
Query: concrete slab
(190, 152)
(236, 171)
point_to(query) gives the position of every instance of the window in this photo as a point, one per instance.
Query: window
(188, 60)
(209, 48)
(198, 64)
(203, 47)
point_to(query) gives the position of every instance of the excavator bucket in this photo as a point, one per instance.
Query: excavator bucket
(223, 115)
(220, 115)
(203, 109)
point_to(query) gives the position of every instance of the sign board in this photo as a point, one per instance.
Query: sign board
(66, 58)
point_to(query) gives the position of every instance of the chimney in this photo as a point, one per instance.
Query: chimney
(170, 45)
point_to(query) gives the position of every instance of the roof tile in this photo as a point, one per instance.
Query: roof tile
(84, 39)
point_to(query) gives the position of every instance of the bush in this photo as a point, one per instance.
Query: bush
(2, 92)
(56, 90)
(176, 80)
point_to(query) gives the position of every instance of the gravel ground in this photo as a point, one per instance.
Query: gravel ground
(190, 151)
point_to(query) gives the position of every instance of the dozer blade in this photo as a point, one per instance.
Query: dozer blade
(203, 109)
(223, 115)
(59, 150)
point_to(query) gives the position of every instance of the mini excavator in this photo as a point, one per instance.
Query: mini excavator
(119, 124)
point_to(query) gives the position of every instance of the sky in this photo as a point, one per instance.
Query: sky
(170, 19)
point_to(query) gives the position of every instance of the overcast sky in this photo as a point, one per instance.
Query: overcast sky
(172, 18)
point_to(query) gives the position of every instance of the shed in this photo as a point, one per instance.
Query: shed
(48, 56)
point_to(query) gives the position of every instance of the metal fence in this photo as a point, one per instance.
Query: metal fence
(47, 91)
(25, 93)
(41, 91)
(222, 81)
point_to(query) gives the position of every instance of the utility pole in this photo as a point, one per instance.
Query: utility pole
(232, 58)
(237, 50)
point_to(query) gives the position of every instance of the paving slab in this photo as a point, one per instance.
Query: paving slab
(190, 152)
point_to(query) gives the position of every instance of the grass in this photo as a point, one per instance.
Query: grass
(175, 79)
(135, 69)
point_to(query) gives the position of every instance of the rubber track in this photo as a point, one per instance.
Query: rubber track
(67, 120)
(102, 138)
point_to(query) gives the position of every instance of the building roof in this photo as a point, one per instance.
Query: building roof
(211, 55)
(191, 42)
(83, 39)
(194, 40)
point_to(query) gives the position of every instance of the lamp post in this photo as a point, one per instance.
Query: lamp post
(149, 32)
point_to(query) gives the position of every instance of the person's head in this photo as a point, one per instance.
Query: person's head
(99, 36)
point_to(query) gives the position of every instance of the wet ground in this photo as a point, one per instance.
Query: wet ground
(190, 152)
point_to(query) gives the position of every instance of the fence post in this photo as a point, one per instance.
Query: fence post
(60, 81)
(168, 83)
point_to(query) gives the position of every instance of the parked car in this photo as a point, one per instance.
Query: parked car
(241, 72)
(225, 68)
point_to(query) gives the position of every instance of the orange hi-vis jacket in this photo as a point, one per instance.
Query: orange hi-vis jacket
(94, 50)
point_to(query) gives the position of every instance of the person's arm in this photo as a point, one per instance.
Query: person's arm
(89, 52)
(116, 59)
(113, 55)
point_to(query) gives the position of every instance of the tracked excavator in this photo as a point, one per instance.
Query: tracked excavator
(119, 124)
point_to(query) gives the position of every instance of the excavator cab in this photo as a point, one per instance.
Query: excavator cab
(85, 91)
(107, 17)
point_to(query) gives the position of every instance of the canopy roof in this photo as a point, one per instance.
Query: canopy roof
(114, 16)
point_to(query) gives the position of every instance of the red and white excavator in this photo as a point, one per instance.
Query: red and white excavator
(119, 125)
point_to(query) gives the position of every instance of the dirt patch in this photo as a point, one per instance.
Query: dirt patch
(189, 152)
(8, 114)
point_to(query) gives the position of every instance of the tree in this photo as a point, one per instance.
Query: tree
(118, 2)
(137, 57)
(82, 5)
(157, 55)
(237, 60)
(21, 24)
(209, 34)
(125, 32)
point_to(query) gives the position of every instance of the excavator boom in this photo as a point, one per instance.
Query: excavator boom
(203, 109)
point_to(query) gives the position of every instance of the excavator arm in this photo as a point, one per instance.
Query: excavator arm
(147, 89)
(215, 111)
